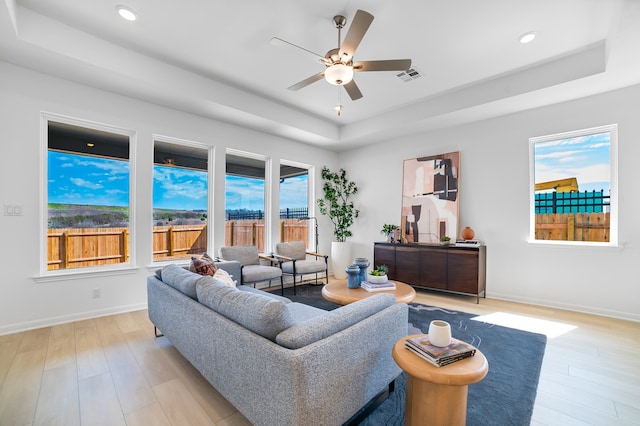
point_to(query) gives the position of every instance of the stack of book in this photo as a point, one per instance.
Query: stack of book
(467, 243)
(440, 356)
(389, 285)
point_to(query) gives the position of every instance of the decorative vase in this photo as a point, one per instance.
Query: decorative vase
(340, 258)
(363, 264)
(439, 333)
(353, 273)
(467, 233)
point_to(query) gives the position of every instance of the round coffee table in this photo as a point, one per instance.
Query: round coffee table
(437, 395)
(338, 292)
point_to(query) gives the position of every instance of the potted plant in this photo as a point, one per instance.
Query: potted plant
(336, 204)
(444, 240)
(378, 275)
(388, 230)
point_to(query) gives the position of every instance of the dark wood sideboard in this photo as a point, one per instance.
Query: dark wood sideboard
(447, 268)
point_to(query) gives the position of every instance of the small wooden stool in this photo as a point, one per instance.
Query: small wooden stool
(437, 396)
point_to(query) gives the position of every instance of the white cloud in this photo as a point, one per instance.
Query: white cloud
(83, 183)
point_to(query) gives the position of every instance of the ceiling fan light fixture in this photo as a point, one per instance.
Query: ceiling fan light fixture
(339, 74)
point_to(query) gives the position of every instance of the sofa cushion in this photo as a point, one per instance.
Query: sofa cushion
(322, 326)
(264, 293)
(260, 314)
(204, 265)
(181, 279)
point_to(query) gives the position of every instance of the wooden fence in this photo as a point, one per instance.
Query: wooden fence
(82, 247)
(178, 242)
(251, 232)
(573, 227)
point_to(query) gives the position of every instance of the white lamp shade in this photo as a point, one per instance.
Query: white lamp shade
(339, 74)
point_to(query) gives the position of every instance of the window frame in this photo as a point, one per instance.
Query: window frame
(210, 193)
(46, 275)
(311, 212)
(268, 192)
(612, 129)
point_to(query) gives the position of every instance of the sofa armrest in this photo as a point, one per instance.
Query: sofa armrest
(321, 327)
(233, 267)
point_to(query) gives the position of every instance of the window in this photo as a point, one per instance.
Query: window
(245, 195)
(573, 191)
(87, 194)
(294, 203)
(180, 199)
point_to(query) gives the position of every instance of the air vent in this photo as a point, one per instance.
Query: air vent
(409, 75)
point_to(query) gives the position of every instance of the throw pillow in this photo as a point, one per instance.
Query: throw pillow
(224, 277)
(203, 266)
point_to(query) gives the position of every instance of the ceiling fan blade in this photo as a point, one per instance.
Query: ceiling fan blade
(359, 27)
(307, 81)
(353, 91)
(386, 65)
(277, 41)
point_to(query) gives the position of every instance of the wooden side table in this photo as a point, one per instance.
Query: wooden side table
(437, 396)
(338, 292)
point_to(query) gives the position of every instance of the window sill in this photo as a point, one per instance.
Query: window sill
(159, 265)
(576, 245)
(64, 275)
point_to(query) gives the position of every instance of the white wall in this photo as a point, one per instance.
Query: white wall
(495, 172)
(23, 96)
(495, 203)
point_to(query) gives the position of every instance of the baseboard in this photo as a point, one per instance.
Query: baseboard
(627, 316)
(48, 322)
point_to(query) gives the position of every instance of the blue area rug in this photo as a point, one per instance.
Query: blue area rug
(504, 397)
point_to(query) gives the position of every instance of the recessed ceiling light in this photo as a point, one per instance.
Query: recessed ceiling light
(127, 13)
(527, 37)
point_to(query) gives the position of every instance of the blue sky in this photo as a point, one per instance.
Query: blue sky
(586, 158)
(79, 179)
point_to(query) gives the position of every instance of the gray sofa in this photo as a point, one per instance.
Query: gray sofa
(279, 362)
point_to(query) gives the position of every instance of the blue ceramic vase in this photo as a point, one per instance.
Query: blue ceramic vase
(363, 264)
(353, 273)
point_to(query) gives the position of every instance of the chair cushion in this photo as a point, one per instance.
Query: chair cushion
(247, 255)
(260, 314)
(181, 279)
(293, 249)
(257, 273)
(304, 267)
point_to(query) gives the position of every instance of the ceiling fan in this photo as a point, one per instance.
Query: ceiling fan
(339, 62)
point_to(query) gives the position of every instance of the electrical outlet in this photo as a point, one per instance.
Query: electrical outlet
(96, 293)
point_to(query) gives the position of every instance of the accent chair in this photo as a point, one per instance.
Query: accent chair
(253, 271)
(294, 259)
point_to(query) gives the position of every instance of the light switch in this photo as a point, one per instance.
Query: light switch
(12, 210)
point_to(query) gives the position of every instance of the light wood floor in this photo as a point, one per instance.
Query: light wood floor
(113, 371)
